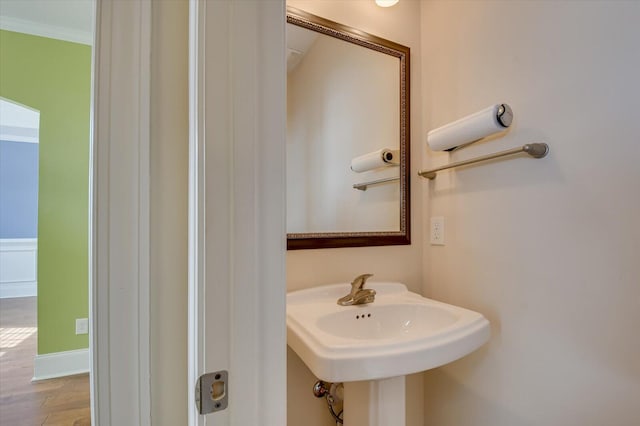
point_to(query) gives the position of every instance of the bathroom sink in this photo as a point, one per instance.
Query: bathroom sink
(399, 333)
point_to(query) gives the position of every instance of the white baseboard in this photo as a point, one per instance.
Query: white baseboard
(18, 267)
(61, 364)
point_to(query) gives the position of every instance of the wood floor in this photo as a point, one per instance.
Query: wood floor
(63, 401)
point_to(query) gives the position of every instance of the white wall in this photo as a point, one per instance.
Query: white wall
(169, 171)
(547, 249)
(308, 268)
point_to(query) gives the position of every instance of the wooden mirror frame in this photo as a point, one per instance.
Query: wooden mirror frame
(297, 241)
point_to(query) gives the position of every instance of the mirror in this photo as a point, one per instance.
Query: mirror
(347, 107)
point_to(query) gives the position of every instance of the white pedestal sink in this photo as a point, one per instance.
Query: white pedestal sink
(375, 402)
(372, 347)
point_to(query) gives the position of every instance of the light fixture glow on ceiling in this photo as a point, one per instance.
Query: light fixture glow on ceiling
(386, 3)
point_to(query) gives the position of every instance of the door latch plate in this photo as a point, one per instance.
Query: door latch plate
(212, 392)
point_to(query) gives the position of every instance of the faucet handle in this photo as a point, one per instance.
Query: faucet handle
(359, 282)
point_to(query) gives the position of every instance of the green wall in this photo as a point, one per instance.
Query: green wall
(54, 77)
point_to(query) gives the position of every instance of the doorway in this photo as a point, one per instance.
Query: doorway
(46, 65)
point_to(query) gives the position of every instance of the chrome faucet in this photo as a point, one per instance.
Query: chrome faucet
(358, 295)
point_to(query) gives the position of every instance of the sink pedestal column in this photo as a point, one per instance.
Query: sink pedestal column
(375, 402)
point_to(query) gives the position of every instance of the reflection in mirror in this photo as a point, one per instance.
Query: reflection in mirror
(347, 103)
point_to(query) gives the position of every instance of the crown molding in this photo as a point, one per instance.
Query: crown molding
(40, 29)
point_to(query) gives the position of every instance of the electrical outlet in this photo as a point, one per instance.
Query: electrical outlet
(437, 231)
(82, 326)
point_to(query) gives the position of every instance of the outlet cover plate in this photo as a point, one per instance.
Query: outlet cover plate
(82, 325)
(437, 231)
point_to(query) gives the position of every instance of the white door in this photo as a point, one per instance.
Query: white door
(237, 210)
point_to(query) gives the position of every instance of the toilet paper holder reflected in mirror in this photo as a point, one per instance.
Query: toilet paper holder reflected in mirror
(381, 158)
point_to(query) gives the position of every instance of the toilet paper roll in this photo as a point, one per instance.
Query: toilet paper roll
(483, 123)
(373, 160)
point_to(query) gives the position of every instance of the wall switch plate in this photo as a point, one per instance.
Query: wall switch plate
(437, 231)
(82, 326)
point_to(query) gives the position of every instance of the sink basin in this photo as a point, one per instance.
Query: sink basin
(400, 333)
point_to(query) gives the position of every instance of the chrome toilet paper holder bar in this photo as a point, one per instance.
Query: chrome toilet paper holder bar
(536, 150)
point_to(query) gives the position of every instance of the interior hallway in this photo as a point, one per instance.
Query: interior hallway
(63, 401)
